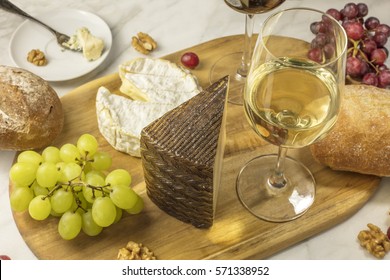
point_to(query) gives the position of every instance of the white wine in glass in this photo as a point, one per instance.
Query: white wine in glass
(236, 65)
(291, 100)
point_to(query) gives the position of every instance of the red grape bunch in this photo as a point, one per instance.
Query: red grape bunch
(367, 38)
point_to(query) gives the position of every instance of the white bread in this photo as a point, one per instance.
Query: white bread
(31, 114)
(360, 140)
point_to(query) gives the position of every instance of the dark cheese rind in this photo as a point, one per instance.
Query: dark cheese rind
(178, 153)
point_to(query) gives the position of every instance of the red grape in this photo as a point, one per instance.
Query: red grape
(371, 23)
(354, 66)
(368, 46)
(334, 13)
(4, 258)
(354, 30)
(315, 54)
(380, 39)
(362, 10)
(378, 56)
(383, 28)
(350, 10)
(384, 78)
(388, 233)
(190, 60)
(370, 79)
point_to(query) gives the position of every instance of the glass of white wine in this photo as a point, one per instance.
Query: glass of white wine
(291, 99)
(236, 64)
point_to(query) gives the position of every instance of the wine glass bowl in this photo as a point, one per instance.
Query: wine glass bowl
(291, 99)
(236, 64)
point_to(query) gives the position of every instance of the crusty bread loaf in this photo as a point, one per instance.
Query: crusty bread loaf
(31, 114)
(360, 140)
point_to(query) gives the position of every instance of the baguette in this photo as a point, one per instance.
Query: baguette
(31, 114)
(360, 139)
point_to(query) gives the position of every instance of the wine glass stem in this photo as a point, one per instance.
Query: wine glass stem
(247, 53)
(277, 179)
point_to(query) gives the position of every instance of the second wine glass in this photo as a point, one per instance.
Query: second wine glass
(236, 65)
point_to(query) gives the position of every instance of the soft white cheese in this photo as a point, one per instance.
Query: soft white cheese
(91, 45)
(156, 86)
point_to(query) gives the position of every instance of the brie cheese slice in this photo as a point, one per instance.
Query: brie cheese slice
(155, 86)
(157, 80)
(121, 120)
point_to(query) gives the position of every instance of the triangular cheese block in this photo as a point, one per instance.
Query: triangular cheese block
(121, 120)
(182, 156)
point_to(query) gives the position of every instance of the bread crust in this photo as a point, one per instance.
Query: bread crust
(31, 114)
(360, 139)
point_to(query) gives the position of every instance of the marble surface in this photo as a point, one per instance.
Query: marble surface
(175, 25)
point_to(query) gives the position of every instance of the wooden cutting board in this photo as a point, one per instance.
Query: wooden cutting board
(236, 234)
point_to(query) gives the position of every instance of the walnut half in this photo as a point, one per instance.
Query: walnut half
(375, 241)
(37, 57)
(135, 251)
(143, 43)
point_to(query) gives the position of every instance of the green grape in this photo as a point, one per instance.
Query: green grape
(101, 161)
(20, 198)
(39, 207)
(137, 208)
(70, 153)
(87, 143)
(71, 171)
(118, 215)
(22, 174)
(124, 197)
(30, 157)
(55, 214)
(79, 203)
(47, 175)
(69, 225)
(119, 177)
(93, 178)
(60, 167)
(38, 190)
(89, 226)
(103, 211)
(91, 194)
(61, 200)
(51, 154)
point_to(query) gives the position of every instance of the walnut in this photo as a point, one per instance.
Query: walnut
(135, 251)
(37, 57)
(143, 43)
(375, 241)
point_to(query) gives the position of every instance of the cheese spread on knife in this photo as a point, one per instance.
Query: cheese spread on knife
(155, 86)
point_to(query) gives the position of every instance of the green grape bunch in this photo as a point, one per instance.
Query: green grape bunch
(73, 183)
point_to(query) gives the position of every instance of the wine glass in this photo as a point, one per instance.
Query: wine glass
(291, 99)
(236, 65)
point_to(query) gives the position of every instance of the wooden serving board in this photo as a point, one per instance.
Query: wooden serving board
(236, 234)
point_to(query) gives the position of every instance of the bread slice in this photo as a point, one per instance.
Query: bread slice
(360, 140)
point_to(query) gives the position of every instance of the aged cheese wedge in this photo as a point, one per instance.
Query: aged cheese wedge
(120, 119)
(182, 154)
(157, 80)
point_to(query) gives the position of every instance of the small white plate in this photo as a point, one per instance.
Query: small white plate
(62, 64)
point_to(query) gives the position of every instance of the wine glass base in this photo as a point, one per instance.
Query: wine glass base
(228, 65)
(270, 203)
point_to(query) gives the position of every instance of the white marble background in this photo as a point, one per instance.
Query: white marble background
(175, 25)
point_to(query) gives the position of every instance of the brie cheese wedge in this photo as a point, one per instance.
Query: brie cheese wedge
(157, 80)
(155, 86)
(121, 120)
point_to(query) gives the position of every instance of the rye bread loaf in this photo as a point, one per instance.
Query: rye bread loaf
(360, 140)
(31, 114)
